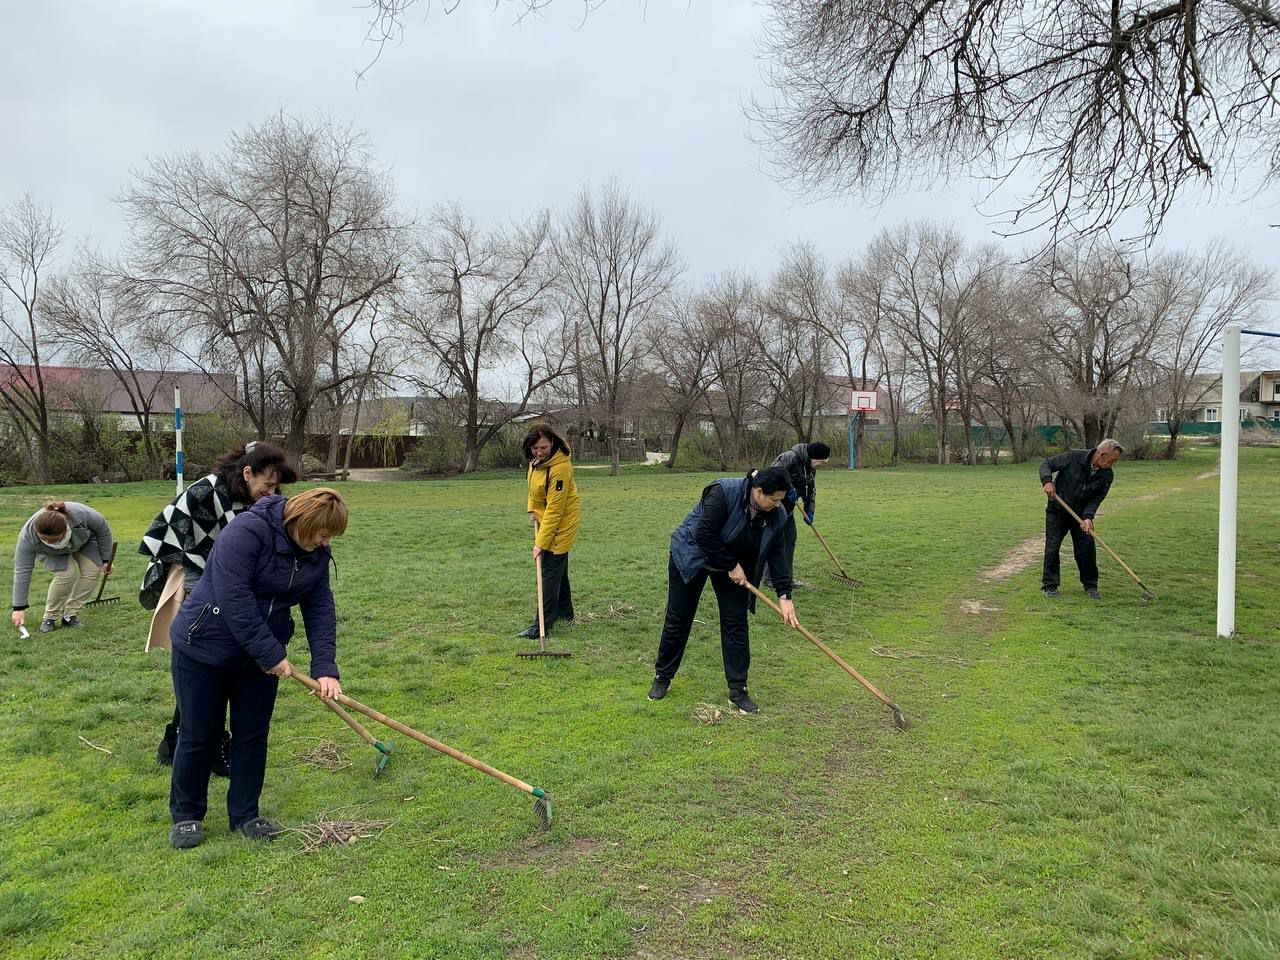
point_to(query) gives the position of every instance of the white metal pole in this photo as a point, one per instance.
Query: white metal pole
(177, 434)
(1228, 482)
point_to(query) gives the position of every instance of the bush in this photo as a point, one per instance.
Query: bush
(207, 436)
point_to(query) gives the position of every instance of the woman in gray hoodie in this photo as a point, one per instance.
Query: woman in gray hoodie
(74, 543)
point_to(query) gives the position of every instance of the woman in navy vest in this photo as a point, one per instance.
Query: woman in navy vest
(229, 647)
(731, 534)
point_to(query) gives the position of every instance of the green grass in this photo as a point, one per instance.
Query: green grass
(1081, 779)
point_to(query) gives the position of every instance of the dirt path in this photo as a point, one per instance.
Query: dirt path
(1029, 551)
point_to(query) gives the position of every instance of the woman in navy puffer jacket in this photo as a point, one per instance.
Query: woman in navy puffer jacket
(229, 643)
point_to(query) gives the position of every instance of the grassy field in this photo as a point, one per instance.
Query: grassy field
(1081, 779)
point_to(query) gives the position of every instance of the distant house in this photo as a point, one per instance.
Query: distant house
(68, 387)
(1259, 398)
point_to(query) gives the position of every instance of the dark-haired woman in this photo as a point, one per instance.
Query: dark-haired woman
(74, 543)
(180, 538)
(555, 512)
(727, 538)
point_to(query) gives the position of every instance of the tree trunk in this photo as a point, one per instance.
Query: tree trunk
(675, 443)
(351, 438)
(615, 461)
(1171, 449)
(297, 439)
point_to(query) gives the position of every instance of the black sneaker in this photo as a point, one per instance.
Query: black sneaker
(186, 834)
(1050, 592)
(259, 828)
(659, 689)
(1092, 593)
(48, 626)
(743, 702)
(71, 622)
(222, 761)
(164, 752)
(529, 633)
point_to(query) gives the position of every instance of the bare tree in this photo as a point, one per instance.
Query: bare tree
(616, 269)
(932, 280)
(1100, 321)
(29, 240)
(1207, 292)
(106, 323)
(680, 344)
(732, 309)
(1006, 362)
(279, 241)
(803, 309)
(475, 308)
(1114, 106)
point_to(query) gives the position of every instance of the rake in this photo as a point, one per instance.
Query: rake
(899, 718)
(1147, 594)
(98, 601)
(541, 799)
(383, 748)
(839, 576)
(542, 650)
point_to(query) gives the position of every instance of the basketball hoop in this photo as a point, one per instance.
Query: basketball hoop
(862, 401)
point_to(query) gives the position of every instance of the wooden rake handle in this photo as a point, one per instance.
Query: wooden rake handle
(874, 690)
(823, 540)
(542, 618)
(106, 576)
(352, 722)
(422, 738)
(1103, 544)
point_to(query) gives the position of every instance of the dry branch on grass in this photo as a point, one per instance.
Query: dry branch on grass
(325, 755)
(616, 611)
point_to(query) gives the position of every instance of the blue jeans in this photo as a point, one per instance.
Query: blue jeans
(203, 693)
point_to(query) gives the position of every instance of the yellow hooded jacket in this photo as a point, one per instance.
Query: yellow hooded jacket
(553, 498)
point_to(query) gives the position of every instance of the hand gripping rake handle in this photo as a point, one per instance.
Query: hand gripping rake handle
(384, 749)
(1147, 594)
(543, 800)
(899, 718)
(839, 569)
(106, 576)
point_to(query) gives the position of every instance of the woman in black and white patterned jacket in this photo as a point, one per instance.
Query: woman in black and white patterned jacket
(180, 538)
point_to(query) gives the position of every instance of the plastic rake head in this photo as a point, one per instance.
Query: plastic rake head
(384, 757)
(542, 807)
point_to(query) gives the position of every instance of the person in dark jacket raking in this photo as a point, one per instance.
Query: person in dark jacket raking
(1083, 478)
(726, 538)
(801, 463)
(229, 647)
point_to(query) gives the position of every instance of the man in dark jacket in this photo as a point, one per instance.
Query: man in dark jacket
(801, 463)
(1083, 479)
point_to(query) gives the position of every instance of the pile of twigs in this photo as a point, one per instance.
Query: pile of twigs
(707, 713)
(326, 832)
(325, 755)
(616, 611)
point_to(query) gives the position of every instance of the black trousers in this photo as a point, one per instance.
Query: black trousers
(204, 693)
(682, 605)
(1057, 524)
(557, 597)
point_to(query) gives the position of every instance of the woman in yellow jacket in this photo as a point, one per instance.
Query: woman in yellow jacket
(554, 512)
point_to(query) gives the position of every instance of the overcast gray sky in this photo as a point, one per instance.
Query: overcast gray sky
(502, 117)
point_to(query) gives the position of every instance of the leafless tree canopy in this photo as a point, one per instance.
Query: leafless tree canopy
(264, 255)
(1112, 106)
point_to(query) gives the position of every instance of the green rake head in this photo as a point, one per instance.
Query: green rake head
(542, 807)
(384, 756)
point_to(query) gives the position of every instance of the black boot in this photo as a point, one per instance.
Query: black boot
(164, 752)
(529, 633)
(222, 762)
